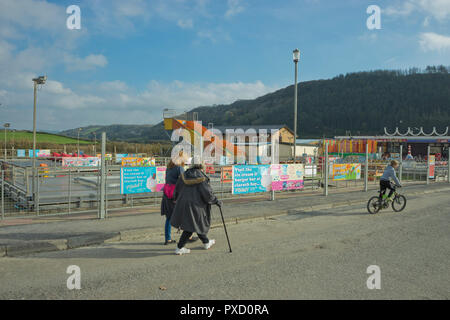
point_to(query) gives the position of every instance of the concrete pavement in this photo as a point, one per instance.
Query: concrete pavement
(56, 233)
(322, 254)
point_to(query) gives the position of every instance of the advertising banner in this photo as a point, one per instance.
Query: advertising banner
(119, 157)
(432, 166)
(21, 153)
(287, 176)
(251, 179)
(138, 162)
(142, 179)
(80, 162)
(226, 174)
(43, 153)
(30, 152)
(349, 171)
(108, 156)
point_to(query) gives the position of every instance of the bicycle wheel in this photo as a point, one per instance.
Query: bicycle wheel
(373, 205)
(399, 203)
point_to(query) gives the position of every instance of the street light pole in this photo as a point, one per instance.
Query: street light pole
(296, 54)
(39, 80)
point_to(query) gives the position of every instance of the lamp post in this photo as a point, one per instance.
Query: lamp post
(39, 80)
(6, 125)
(296, 56)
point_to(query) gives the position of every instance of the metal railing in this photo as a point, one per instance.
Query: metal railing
(61, 191)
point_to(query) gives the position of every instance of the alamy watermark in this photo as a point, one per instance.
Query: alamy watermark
(235, 146)
(374, 20)
(374, 280)
(74, 280)
(74, 20)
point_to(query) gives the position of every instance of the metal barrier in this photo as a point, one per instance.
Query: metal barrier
(62, 191)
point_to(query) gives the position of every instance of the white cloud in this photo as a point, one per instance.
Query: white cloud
(115, 85)
(234, 7)
(430, 41)
(39, 15)
(56, 87)
(61, 107)
(90, 62)
(185, 24)
(439, 9)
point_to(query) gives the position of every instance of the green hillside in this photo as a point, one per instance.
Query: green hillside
(117, 132)
(362, 103)
(40, 138)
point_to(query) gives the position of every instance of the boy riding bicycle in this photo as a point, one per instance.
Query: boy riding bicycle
(385, 180)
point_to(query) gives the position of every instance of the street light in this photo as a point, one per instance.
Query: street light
(296, 57)
(39, 80)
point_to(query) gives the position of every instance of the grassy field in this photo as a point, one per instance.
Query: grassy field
(40, 138)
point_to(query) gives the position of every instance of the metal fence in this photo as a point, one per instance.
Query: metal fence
(62, 191)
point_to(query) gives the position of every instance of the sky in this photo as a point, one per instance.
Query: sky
(131, 59)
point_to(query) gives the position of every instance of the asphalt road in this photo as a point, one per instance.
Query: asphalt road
(315, 255)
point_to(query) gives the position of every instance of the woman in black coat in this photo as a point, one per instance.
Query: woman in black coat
(192, 213)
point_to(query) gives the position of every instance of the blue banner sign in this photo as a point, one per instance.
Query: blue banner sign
(251, 179)
(141, 179)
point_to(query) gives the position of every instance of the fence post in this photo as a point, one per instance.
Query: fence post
(400, 169)
(325, 190)
(70, 189)
(3, 194)
(428, 165)
(102, 178)
(37, 191)
(27, 178)
(366, 169)
(448, 166)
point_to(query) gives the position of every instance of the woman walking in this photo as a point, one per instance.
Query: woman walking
(173, 172)
(192, 213)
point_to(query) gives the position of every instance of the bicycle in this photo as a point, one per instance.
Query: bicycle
(377, 203)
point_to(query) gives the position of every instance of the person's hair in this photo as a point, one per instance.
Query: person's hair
(170, 165)
(197, 166)
(394, 163)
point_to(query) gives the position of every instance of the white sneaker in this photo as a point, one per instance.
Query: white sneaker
(209, 244)
(181, 251)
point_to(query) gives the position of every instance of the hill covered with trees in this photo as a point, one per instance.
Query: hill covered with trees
(362, 103)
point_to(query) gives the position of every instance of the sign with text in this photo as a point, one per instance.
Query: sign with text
(138, 162)
(119, 157)
(226, 174)
(349, 171)
(251, 179)
(287, 176)
(43, 153)
(80, 162)
(108, 156)
(142, 179)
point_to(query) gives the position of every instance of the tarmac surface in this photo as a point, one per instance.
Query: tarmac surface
(315, 254)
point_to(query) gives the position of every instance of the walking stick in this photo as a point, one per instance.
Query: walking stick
(226, 233)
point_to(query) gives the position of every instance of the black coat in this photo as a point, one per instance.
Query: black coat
(194, 196)
(167, 206)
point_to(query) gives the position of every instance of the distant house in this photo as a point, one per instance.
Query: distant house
(248, 136)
